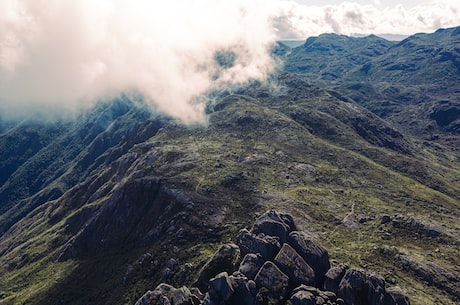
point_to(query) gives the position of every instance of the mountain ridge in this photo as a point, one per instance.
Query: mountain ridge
(126, 199)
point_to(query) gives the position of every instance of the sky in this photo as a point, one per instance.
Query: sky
(303, 18)
(64, 56)
(407, 3)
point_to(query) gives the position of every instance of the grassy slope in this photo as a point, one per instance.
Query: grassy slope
(252, 156)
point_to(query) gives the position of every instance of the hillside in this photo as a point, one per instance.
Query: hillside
(101, 208)
(412, 83)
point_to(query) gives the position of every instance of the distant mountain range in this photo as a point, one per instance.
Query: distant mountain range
(292, 43)
(412, 83)
(357, 138)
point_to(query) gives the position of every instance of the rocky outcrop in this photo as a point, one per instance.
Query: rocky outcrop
(168, 295)
(280, 265)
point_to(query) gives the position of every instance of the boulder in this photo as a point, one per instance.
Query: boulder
(273, 279)
(220, 288)
(274, 224)
(303, 298)
(333, 277)
(251, 264)
(359, 288)
(168, 295)
(306, 295)
(293, 265)
(266, 245)
(294, 274)
(385, 219)
(245, 290)
(226, 259)
(352, 287)
(312, 252)
(375, 287)
(395, 296)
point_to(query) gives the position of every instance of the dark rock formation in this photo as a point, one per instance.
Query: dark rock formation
(299, 273)
(291, 263)
(312, 252)
(265, 245)
(226, 259)
(306, 295)
(359, 288)
(168, 295)
(272, 278)
(385, 219)
(274, 224)
(251, 264)
(221, 288)
(333, 277)
(394, 295)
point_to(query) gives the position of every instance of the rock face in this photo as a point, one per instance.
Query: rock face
(226, 259)
(280, 265)
(168, 295)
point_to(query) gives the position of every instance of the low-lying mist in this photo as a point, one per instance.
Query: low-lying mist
(57, 56)
(61, 56)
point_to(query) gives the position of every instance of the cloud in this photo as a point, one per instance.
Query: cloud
(301, 20)
(64, 55)
(60, 56)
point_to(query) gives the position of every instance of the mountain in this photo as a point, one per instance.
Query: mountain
(412, 83)
(101, 208)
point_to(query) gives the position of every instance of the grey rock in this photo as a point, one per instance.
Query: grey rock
(320, 301)
(352, 287)
(220, 288)
(292, 264)
(359, 288)
(266, 245)
(329, 295)
(312, 289)
(168, 295)
(395, 296)
(271, 277)
(226, 259)
(417, 226)
(375, 286)
(303, 298)
(385, 219)
(245, 290)
(333, 277)
(298, 270)
(311, 295)
(312, 252)
(274, 224)
(251, 264)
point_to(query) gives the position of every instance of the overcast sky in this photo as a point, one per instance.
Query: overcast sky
(67, 54)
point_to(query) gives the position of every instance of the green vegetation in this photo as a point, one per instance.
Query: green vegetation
(136, 200)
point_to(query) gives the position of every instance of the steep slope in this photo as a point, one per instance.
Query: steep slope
(99, 209)
(413, 83)
(43, 160)
(154, 210)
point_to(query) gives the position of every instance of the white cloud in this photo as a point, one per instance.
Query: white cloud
(301, 20)
(67, 54)
(59, 55)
